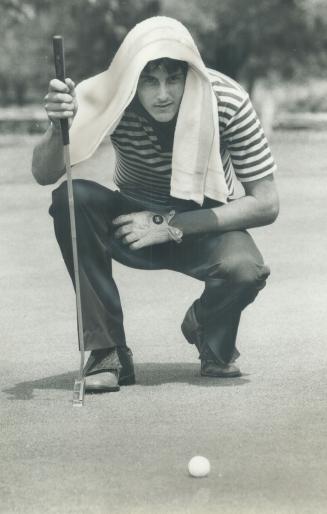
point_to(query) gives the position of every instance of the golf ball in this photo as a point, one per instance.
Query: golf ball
(199, 467)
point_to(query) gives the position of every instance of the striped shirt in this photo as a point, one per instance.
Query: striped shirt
(143, 163)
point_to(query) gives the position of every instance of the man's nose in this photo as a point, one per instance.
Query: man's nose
(163, 93)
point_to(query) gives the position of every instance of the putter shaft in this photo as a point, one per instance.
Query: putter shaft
(79, 386)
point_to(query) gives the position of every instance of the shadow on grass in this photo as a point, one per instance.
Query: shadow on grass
(147, 374)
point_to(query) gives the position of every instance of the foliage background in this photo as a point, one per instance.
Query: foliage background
(280, 43)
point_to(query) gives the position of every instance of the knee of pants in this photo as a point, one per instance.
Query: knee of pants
(82, 196)
(81, 191)
(245, 272)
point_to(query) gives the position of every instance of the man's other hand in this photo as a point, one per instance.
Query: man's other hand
(60, 102)
(146, 228)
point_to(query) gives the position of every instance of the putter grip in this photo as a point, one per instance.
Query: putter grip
(59, 61)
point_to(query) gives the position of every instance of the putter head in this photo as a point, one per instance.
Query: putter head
(79, 392)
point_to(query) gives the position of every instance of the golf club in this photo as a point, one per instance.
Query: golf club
(79, 385)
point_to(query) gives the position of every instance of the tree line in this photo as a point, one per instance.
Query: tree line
(250, 40)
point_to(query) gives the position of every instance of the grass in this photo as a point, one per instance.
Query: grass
(127, 453)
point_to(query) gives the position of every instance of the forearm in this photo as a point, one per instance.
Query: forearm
(145, 228)
(48, 158)
(243, 213)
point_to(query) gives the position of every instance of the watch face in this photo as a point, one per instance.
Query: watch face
(157, 219)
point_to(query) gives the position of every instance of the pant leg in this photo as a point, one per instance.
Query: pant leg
(95, 207)
(233, 270)
(101, 307)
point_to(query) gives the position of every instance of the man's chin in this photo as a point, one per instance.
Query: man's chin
(163, 117)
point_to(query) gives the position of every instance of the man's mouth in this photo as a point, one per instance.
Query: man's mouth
(164, 106)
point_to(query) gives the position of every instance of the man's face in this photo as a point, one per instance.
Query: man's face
(160, 92)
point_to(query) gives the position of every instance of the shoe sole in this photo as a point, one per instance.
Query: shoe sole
(101, 389)
(233, 374)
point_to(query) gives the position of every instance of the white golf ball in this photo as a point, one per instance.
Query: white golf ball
(199, 467)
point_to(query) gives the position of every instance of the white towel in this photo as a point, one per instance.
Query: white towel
(197, 170)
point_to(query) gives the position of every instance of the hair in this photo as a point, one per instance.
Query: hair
(171, 65)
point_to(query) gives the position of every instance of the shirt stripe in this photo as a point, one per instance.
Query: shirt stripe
(143, 169)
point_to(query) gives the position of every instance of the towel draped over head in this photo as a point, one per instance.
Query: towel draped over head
(197, 170)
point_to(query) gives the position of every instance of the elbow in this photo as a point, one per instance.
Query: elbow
(39, 178)
(271, 210)
(43, 179)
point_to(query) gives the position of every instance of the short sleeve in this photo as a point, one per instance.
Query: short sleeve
(243, 136)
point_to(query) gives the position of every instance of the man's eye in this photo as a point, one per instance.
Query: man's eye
(148, 80)
(175, 78)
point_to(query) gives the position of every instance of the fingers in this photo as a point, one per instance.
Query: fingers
(142, 242)
(137, 245)
(59, 97)
(132, 229)
(60, 115)
(59, 107)
(60, 101)
(142, 218)
(71, 84)
(62, 87)
(130, 239)
(126, 234)
(123, 231)
(122, 220)
(59, 112)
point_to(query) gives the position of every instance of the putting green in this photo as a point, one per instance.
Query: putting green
(127, 452)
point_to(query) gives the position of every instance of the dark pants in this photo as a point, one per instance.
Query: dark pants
(229, 264)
